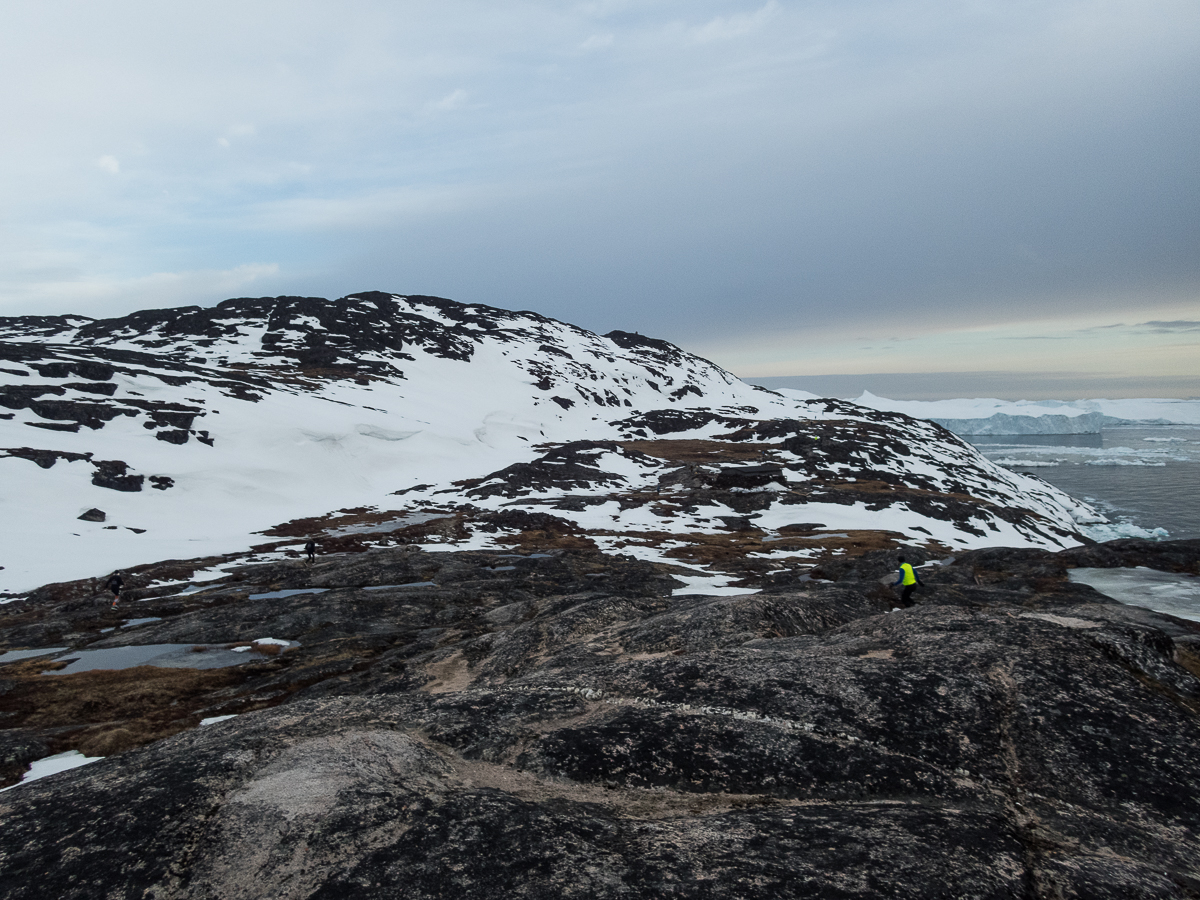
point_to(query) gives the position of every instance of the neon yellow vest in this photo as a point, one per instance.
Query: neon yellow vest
(909, 576)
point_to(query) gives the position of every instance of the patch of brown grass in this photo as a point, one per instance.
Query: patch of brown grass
(104, 712)
(856, 543)
(1188, 660)
(883, 487)
(319, 524)
(723, 547)
(43, 701)
(548, 540)
(706, 549)
(700, 451)
(868, 487)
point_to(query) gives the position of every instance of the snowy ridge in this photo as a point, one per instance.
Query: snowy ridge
(194, 432)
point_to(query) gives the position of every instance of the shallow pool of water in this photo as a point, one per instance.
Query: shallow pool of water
(1165, 592)
(167, 656)
(272, 595)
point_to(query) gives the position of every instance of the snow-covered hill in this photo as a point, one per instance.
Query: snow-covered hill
(192, 432)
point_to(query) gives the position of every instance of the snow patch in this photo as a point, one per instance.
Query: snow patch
(52, 765)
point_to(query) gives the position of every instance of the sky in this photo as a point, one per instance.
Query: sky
(787, 188)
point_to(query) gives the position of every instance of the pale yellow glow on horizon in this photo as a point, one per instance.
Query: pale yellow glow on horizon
(1113, 343)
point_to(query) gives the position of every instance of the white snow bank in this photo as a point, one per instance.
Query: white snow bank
(52, 765)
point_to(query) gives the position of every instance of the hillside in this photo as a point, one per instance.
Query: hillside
(200, 432)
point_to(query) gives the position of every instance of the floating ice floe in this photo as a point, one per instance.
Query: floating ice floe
(1111, 531)
(1028, 463)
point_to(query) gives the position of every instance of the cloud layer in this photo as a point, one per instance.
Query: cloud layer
(719, 173)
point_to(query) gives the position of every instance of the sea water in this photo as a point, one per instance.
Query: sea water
(1145, 479)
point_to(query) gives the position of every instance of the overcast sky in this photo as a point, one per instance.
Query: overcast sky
(785, 187)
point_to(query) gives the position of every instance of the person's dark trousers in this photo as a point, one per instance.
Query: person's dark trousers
(906, 595)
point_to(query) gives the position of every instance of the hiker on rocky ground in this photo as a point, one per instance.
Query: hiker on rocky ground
(909, 579)
(311, 549)
(114, 584)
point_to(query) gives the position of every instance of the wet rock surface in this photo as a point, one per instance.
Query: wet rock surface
(483, 724)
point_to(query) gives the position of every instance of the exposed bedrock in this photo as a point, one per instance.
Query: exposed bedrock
(489, 725)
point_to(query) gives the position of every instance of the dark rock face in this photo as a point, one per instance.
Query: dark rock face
(487, 725)
(570, 466)
(749, 476)
(114, 474)
(45, 459)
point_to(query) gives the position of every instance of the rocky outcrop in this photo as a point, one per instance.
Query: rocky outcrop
(487, 725)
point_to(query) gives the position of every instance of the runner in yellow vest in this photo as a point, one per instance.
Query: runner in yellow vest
(909, 579)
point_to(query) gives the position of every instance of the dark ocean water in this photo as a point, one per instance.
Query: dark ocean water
(1143, 478)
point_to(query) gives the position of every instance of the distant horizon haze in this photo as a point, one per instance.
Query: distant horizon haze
(1064, 386)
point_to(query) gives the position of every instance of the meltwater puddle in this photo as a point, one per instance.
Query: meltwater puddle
(293, 592)
(1165, 592)
(709, 585)
(166, 656)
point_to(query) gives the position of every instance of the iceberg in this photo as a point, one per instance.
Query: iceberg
(973, 416)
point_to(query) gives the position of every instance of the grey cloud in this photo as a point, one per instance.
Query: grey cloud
(1169, 327)
(716, 167)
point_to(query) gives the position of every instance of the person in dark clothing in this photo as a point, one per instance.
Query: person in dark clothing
(909, 580)
(311, 549)
(115, 583)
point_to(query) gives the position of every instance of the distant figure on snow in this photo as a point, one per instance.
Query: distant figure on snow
(311, 549)
(909, 579)
(114, 584)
